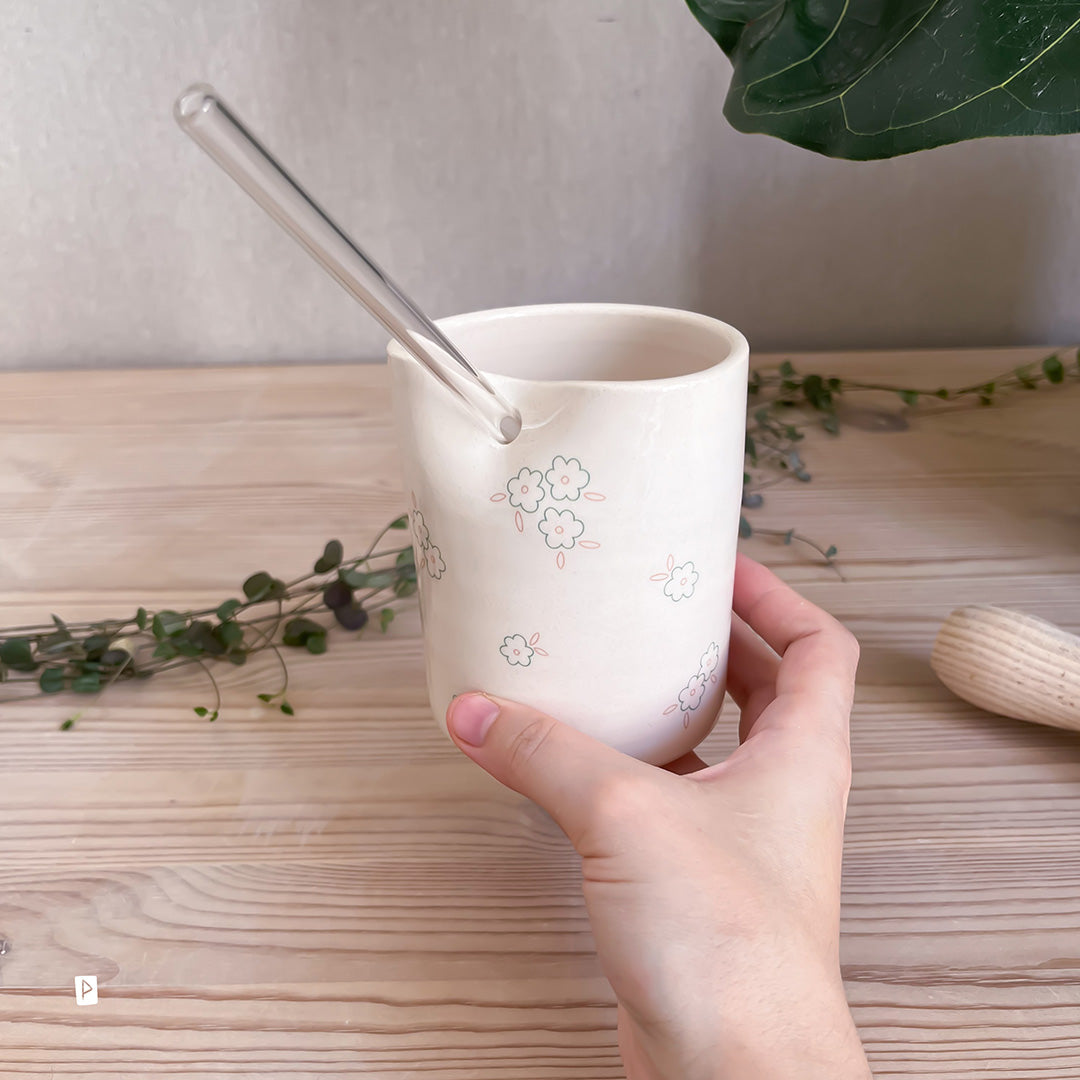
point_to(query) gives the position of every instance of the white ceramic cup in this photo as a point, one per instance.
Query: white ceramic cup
(585, 568)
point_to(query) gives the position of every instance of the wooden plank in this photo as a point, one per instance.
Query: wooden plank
(341, 894)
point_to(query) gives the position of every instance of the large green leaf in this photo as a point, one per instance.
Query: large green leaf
(868, 79)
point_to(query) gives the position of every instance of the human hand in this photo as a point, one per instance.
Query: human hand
(713, 892)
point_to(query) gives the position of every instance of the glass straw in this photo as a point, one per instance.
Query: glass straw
(206, 118)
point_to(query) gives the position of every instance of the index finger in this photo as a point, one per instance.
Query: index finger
(818, 654)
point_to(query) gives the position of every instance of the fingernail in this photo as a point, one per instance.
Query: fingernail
(471, 717)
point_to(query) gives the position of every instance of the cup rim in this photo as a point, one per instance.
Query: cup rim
(738, 347)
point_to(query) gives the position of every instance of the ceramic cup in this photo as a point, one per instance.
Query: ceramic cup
(585, 568)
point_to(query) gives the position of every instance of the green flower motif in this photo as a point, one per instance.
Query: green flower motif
(561, 528)
(566, 478)
(517, 650)
(433, 560)
(526, 490)
(681, 581)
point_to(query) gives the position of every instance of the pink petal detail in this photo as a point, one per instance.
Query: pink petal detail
(519, 521)
(686, 720)
(534, 639)
(595, 496)
(670, 563)
(560, 560)
(670, 709)
(658, 577)
(539, 651)
(592, 545)
(713, 677)
(498, 496)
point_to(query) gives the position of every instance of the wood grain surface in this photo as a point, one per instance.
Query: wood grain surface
(342, 894)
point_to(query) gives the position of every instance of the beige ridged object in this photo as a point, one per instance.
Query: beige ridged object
(1012, 664)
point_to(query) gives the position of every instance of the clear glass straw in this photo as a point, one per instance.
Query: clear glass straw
(205, 117)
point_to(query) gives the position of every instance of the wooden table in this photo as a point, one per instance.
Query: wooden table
(342, 894)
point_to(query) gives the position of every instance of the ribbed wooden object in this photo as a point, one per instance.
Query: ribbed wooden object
(1010, 663)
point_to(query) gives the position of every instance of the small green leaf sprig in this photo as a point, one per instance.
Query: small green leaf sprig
(88, 658)
(782, 404)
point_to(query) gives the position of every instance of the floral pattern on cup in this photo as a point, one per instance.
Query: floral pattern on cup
(427, 556)
(564, 480)
(693, 693)
(679, 580)
(710, 661)
(526, 490)
(519, 651)
(419, 529)
(561, 528)
(433, 561)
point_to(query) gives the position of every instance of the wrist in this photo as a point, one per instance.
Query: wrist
(815, 1040)
(790, 1026)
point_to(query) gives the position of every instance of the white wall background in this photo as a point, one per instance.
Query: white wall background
(488, 152)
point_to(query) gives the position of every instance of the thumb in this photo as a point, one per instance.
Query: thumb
(558, 767)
